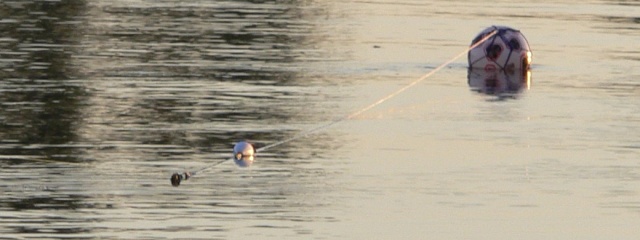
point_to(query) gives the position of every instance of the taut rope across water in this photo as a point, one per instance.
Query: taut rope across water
(176, 178)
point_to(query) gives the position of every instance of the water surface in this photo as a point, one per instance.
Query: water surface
(102, 101)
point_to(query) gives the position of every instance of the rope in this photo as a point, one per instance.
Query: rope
(353, 114)
(380, 101)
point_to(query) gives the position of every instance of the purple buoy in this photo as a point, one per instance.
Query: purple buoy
(507, 50)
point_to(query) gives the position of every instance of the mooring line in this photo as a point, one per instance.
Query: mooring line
(380, 101)
(187, 175)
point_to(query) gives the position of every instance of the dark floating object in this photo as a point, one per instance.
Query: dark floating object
(177, 178)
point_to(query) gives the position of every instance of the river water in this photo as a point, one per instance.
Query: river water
(101, 101)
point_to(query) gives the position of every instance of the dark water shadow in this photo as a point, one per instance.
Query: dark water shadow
(102, 94)
(41, 101)
(41, 104)
(200, 76)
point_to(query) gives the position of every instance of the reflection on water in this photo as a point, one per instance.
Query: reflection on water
(41, 107)
(41, 102)
(500, 83)
(100, 101)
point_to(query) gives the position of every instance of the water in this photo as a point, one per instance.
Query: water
(102, 100)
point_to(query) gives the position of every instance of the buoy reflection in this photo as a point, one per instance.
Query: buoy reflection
(501, 83)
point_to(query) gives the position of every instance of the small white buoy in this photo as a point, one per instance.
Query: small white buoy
(507, 50)
(243, 154)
